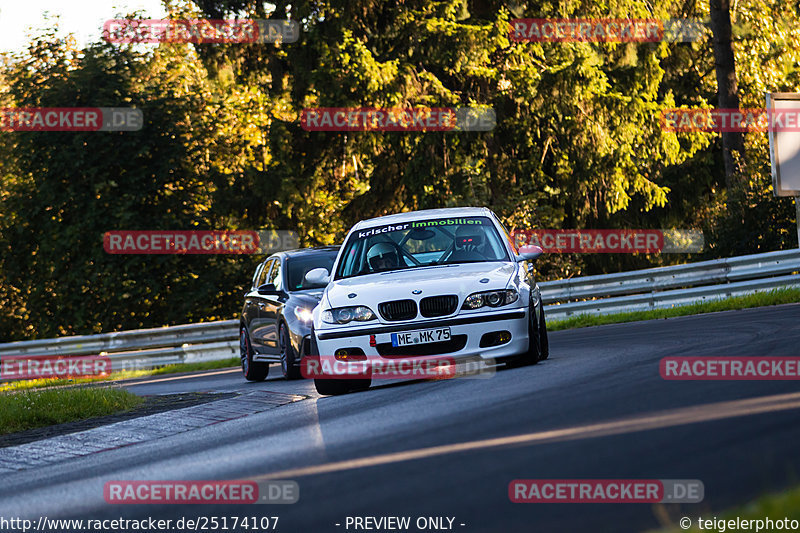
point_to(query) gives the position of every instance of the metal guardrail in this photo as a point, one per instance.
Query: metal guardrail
(627, 291)
(662, 287)
(142, 348)
(137, 339)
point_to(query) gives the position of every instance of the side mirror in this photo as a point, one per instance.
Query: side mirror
(318, 276)
(268, 289)
(529, 252)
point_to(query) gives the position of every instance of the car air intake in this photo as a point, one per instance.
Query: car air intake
(398, 310)
(438, 305)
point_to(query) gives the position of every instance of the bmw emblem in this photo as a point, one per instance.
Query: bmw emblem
(416, 291)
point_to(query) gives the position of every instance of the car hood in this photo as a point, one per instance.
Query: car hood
(460, 279)
(309, 298)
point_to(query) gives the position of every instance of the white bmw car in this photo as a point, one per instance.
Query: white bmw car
(436, 282)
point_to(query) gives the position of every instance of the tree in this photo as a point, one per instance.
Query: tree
(728, 98)
(62, 190)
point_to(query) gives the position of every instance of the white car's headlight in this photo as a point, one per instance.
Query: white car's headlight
(490, 298)
(343, 315)
(303, 314)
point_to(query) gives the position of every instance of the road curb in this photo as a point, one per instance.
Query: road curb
(142, 429)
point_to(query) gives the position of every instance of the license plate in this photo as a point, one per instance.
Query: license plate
(423, 336)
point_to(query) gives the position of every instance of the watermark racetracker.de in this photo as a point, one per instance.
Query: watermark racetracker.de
(606, 241)
(399, 119)
(606, 491)
(406, 367)
(27, 367)
(199, 241)
(606, 30)
(747, 368)
(181, 492)
(200, 31)
(730, 120)
(71, 119)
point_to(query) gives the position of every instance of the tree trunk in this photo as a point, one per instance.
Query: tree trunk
(726, 84)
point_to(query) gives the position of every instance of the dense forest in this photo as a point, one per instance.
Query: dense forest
(578, 143)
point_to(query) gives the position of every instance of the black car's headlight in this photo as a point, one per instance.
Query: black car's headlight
(343, 315)
(490, 298)
(303, 314)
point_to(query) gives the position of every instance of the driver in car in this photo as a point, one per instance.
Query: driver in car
(382, 256)
(468, 245)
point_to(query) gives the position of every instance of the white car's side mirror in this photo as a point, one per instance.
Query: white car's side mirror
(529, 252)
(318, 276)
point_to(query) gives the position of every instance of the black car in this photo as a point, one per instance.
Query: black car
(276, 318)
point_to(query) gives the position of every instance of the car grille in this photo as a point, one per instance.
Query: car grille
(456, 343)
(438, 305)
(398, 310)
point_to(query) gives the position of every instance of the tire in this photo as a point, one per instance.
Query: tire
(288, 355)
(358, 385)
(534, 353)
(252, 370)
(335, 387)
(332, 387)
(543, 341)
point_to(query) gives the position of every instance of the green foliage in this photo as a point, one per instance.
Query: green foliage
(63, 190)
(578, 144)
(29, 409)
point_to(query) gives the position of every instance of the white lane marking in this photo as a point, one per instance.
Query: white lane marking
(660, 420)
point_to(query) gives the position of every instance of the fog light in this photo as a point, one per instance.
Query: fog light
(495, 338)
(350, 354)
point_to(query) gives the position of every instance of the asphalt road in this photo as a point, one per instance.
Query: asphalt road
(546, 421)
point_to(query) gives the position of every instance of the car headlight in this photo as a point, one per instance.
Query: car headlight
(303, 314)
(343, 315)
(490, 298)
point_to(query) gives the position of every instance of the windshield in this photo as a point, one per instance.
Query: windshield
(297, 268)
(421, 243)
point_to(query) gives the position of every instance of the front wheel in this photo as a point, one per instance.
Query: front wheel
(544, 343)
(288, 355)
(252, 370)
(534, 353)
(332, 387)
(336, 387)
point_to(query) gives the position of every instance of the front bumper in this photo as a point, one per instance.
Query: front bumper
(466, 332)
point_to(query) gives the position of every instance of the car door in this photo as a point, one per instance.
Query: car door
(270, 310)
(250, 308)
(258, 324)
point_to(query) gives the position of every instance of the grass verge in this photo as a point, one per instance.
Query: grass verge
(758, 299)
(774, 506)
(126, 374)
(27, 409)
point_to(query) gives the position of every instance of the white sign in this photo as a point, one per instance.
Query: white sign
(784, 146)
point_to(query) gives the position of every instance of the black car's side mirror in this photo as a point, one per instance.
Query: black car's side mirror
(268, 289)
